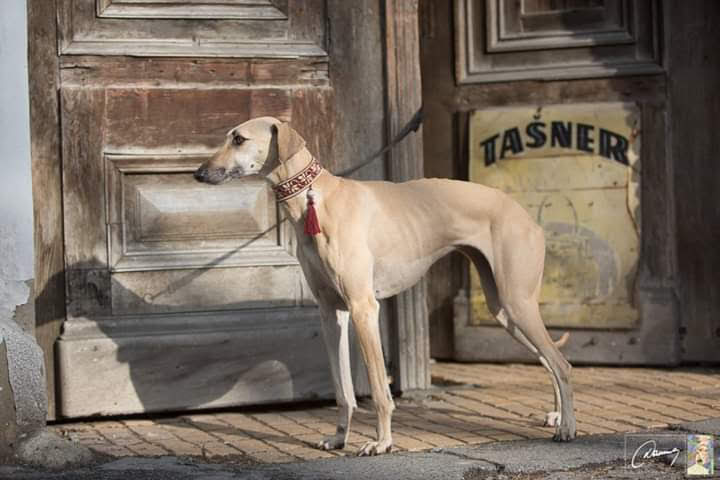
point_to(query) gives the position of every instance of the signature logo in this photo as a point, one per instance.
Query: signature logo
(648, 451)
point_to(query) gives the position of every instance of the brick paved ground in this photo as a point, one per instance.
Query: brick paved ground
(471, 404)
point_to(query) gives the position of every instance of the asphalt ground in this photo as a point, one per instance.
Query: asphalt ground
(660, 454)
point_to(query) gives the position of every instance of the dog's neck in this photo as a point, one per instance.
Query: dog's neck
(296, 206)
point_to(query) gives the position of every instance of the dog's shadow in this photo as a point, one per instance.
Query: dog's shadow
(149, 368)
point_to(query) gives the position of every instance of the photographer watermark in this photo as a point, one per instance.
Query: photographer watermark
(693, 453)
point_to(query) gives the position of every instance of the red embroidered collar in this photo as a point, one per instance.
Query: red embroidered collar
(297, 183)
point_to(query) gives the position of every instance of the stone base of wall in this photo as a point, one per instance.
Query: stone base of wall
(23, 406)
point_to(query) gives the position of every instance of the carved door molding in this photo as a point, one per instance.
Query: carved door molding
(511, 40)
(229, 28)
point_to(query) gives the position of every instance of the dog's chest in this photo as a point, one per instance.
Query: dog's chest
(318, 260)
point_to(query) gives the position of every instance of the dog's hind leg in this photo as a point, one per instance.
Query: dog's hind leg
(518, 267)
(335, 327)
(538, 342)
(525, 314)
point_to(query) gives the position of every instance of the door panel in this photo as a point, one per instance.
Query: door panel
(241, 9)
(182, 294)
(278, 28)
(160, 217)
(160, 119)
(547, 21)
(211, 359)
(505, 40)
(216, 289)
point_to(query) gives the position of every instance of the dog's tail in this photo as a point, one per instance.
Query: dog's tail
(562, 340)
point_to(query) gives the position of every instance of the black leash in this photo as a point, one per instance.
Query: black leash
(411, 126)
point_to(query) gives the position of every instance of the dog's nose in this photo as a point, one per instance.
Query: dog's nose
(201, 174)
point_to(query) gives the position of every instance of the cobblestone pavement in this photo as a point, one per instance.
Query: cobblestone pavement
(470, 404)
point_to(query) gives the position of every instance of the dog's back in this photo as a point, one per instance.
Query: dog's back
(408, 226)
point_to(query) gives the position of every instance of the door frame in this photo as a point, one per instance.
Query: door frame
(403, 87)
(46, 163)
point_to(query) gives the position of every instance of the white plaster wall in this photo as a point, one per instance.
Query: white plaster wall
(16, 217)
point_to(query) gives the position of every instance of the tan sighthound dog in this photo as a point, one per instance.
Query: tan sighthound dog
(377, 239)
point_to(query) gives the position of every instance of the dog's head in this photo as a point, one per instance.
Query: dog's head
(253, 147)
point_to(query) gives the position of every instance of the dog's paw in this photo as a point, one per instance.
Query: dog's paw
(375, 448)
(335, 442)
(552, 419)
(564, 434)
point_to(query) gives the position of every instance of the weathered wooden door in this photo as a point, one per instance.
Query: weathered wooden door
(562, 104)
(178, 294)
(153, 291)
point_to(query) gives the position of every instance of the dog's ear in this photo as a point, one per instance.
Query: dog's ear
(289, 142)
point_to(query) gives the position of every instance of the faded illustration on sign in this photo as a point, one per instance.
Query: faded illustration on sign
(576, 169)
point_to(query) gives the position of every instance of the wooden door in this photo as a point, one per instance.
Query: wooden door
(694, 73)
(562, 104)
(179, 295)
(155, 292)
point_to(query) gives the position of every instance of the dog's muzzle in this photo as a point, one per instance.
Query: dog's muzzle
(216, 175)
(205, 175)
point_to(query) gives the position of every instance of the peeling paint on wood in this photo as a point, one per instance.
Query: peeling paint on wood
(576, 169)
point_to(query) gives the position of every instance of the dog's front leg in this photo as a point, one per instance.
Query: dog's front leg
(335, 326)
(364, 314)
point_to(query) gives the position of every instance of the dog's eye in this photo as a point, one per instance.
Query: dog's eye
(238, 140)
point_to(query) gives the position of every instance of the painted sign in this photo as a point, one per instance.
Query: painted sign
(576, 169)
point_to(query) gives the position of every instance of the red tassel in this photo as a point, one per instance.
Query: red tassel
(312, 227)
